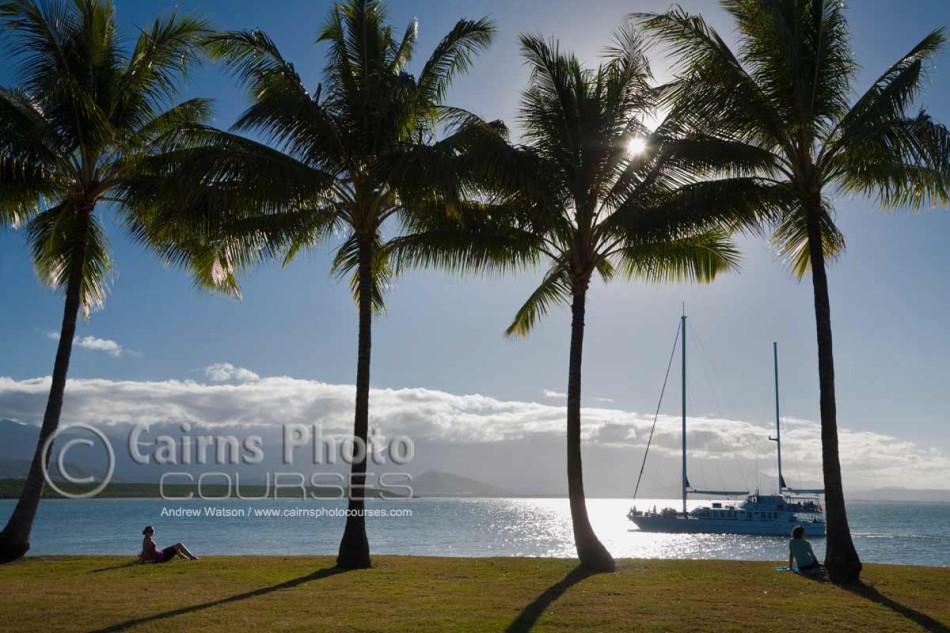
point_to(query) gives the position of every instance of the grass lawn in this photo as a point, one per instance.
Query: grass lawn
(249, 593)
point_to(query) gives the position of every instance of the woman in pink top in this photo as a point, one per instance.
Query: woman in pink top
(151, 553)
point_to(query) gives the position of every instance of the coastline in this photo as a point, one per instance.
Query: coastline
(11, 488)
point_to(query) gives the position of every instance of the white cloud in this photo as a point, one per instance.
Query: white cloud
(550, 393)
(482, 428)
(226, 372)
(95, 344)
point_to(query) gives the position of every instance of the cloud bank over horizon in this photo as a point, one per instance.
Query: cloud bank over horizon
(482, 433)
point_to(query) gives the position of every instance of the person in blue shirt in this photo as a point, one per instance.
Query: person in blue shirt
(800, 551)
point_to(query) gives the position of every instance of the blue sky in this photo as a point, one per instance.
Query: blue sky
(889, 292)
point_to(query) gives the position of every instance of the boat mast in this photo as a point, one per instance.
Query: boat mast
(778, 427)
(685, 480)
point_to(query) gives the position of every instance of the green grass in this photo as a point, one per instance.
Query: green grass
(78, 593)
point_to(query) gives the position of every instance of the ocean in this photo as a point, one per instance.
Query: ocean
(904, 533)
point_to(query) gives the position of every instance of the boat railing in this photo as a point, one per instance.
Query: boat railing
(665, 513)
(718, 493)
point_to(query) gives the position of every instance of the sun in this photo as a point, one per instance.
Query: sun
(636, 145)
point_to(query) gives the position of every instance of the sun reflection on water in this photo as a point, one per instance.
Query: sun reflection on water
(542, 527)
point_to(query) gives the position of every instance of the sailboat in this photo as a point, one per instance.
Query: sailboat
(758, 514)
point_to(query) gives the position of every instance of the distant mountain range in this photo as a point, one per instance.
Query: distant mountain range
(901, 494)
(434, 483)
(18, 441)
(17, 444)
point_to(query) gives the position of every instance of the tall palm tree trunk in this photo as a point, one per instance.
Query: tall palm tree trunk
(354, 548)
(841, 559)
(591, 552)
(15, 538)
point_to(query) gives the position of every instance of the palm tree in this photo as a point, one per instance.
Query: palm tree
(357, 159)
(580, 198)
(786, 91)
(85, 115)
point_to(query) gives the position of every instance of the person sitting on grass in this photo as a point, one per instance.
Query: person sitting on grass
(800, 551)
(151, 554)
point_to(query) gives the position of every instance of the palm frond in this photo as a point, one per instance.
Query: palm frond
(42, 44)
(674, 158)
(791, 241)
(300, 127)
(175, 129)
(53, 234)
(256, 61)
(475, 238)
(159, 63)
(549, 108)
(555, 289)
(346, 262)
(880, 149)
(732, 204)
(402, 53)
(453, 56)
(902, 162)
(712, 92)
(28, 159)
(799, 54)
(888, 98)
(24, 133)
(68, 55)
(226, 173)
(694, 258)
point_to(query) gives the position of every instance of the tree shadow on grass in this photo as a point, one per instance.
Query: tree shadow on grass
(818, 578)
(870, 593)
(131, 563)
(530, 614)
(165, 615)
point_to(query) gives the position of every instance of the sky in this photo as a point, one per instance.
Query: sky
(443, 334)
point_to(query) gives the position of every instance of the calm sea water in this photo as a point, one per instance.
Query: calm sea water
(909, 533)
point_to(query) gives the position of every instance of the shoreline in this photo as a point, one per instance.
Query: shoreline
(776, 562)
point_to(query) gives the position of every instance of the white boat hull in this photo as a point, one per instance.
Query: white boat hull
(679, 525)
